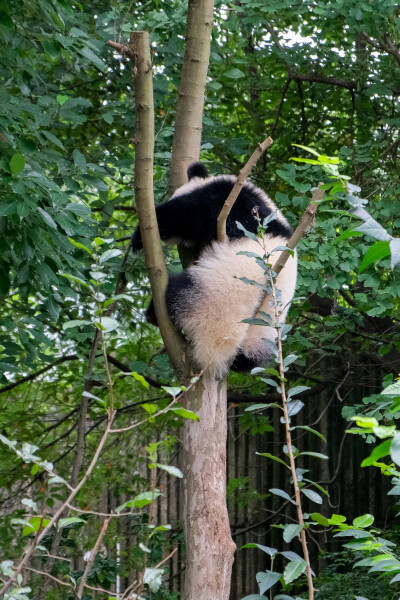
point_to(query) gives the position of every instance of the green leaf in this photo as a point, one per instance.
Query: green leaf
(363, 521)
(320, 519)
(267, 579)
(141, 379)
(145, 498)
(49, 220)
(76, 279)
(234, 73)
(150, 408)
(17, 163)
(293, 570)
(88, 53)
(139, 501)
(306, 428)
(75, 323)
(298, 389)
(392, 390)
(171, 470)
(52, 138)
(315, 454)
(266, 549)
(313, 496)
(395, 449)
(308, 149)
(347, 234)
(80, 246)
(185, 413)
(79, 209)
(261, 406)
(282, 494)
(107, 324)
(108, 117)
(374, 253)
(79, 159)
(367, 422)
(35, 524)
(288, 360)
(109, 254)
(61, 99)
(69, 521)
(279, 460)
(172, 391)
(291, 531)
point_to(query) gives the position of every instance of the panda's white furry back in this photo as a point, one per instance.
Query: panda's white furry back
(209, 300)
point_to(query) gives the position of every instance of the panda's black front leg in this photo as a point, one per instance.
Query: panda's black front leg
(186, 219)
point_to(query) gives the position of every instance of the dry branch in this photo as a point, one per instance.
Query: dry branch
(301, 228)
(243, 174)
(120, 47)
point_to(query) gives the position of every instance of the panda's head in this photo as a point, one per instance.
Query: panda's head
(198, 177)
(197, 169)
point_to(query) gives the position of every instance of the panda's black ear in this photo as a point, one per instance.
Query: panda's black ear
(197, 169)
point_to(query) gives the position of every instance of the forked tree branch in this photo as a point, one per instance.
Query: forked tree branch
(243, 174)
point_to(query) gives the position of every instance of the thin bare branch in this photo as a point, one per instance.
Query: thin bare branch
(243, 174)
(49, 576)
(301, 228)
(33, 376)
(92, 557)
(124, 50)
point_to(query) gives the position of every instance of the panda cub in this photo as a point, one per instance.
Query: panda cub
(208, 300)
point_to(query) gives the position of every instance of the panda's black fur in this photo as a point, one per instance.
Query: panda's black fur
(208, 300)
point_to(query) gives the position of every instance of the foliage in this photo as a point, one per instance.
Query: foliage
(323, 76)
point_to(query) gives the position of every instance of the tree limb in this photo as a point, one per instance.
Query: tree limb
(386, 45)
(33, 376)
(144, 147)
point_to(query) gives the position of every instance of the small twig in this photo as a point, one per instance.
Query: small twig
(243, 174)
(92, 557)
(124, 50)
(301, 228)
(49, 576)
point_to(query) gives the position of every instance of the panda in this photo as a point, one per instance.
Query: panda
(209, 300)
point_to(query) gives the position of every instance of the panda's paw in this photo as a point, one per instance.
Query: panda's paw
(136, 242)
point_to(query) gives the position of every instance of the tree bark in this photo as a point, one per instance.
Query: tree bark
(208, 538)
(189, 112)
(209, 544)
(139, 47)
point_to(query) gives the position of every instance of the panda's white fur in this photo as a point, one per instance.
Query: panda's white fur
(220, 301)
(209, 300)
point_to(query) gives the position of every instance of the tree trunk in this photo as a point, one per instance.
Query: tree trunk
(208, 538)
(189, 112)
